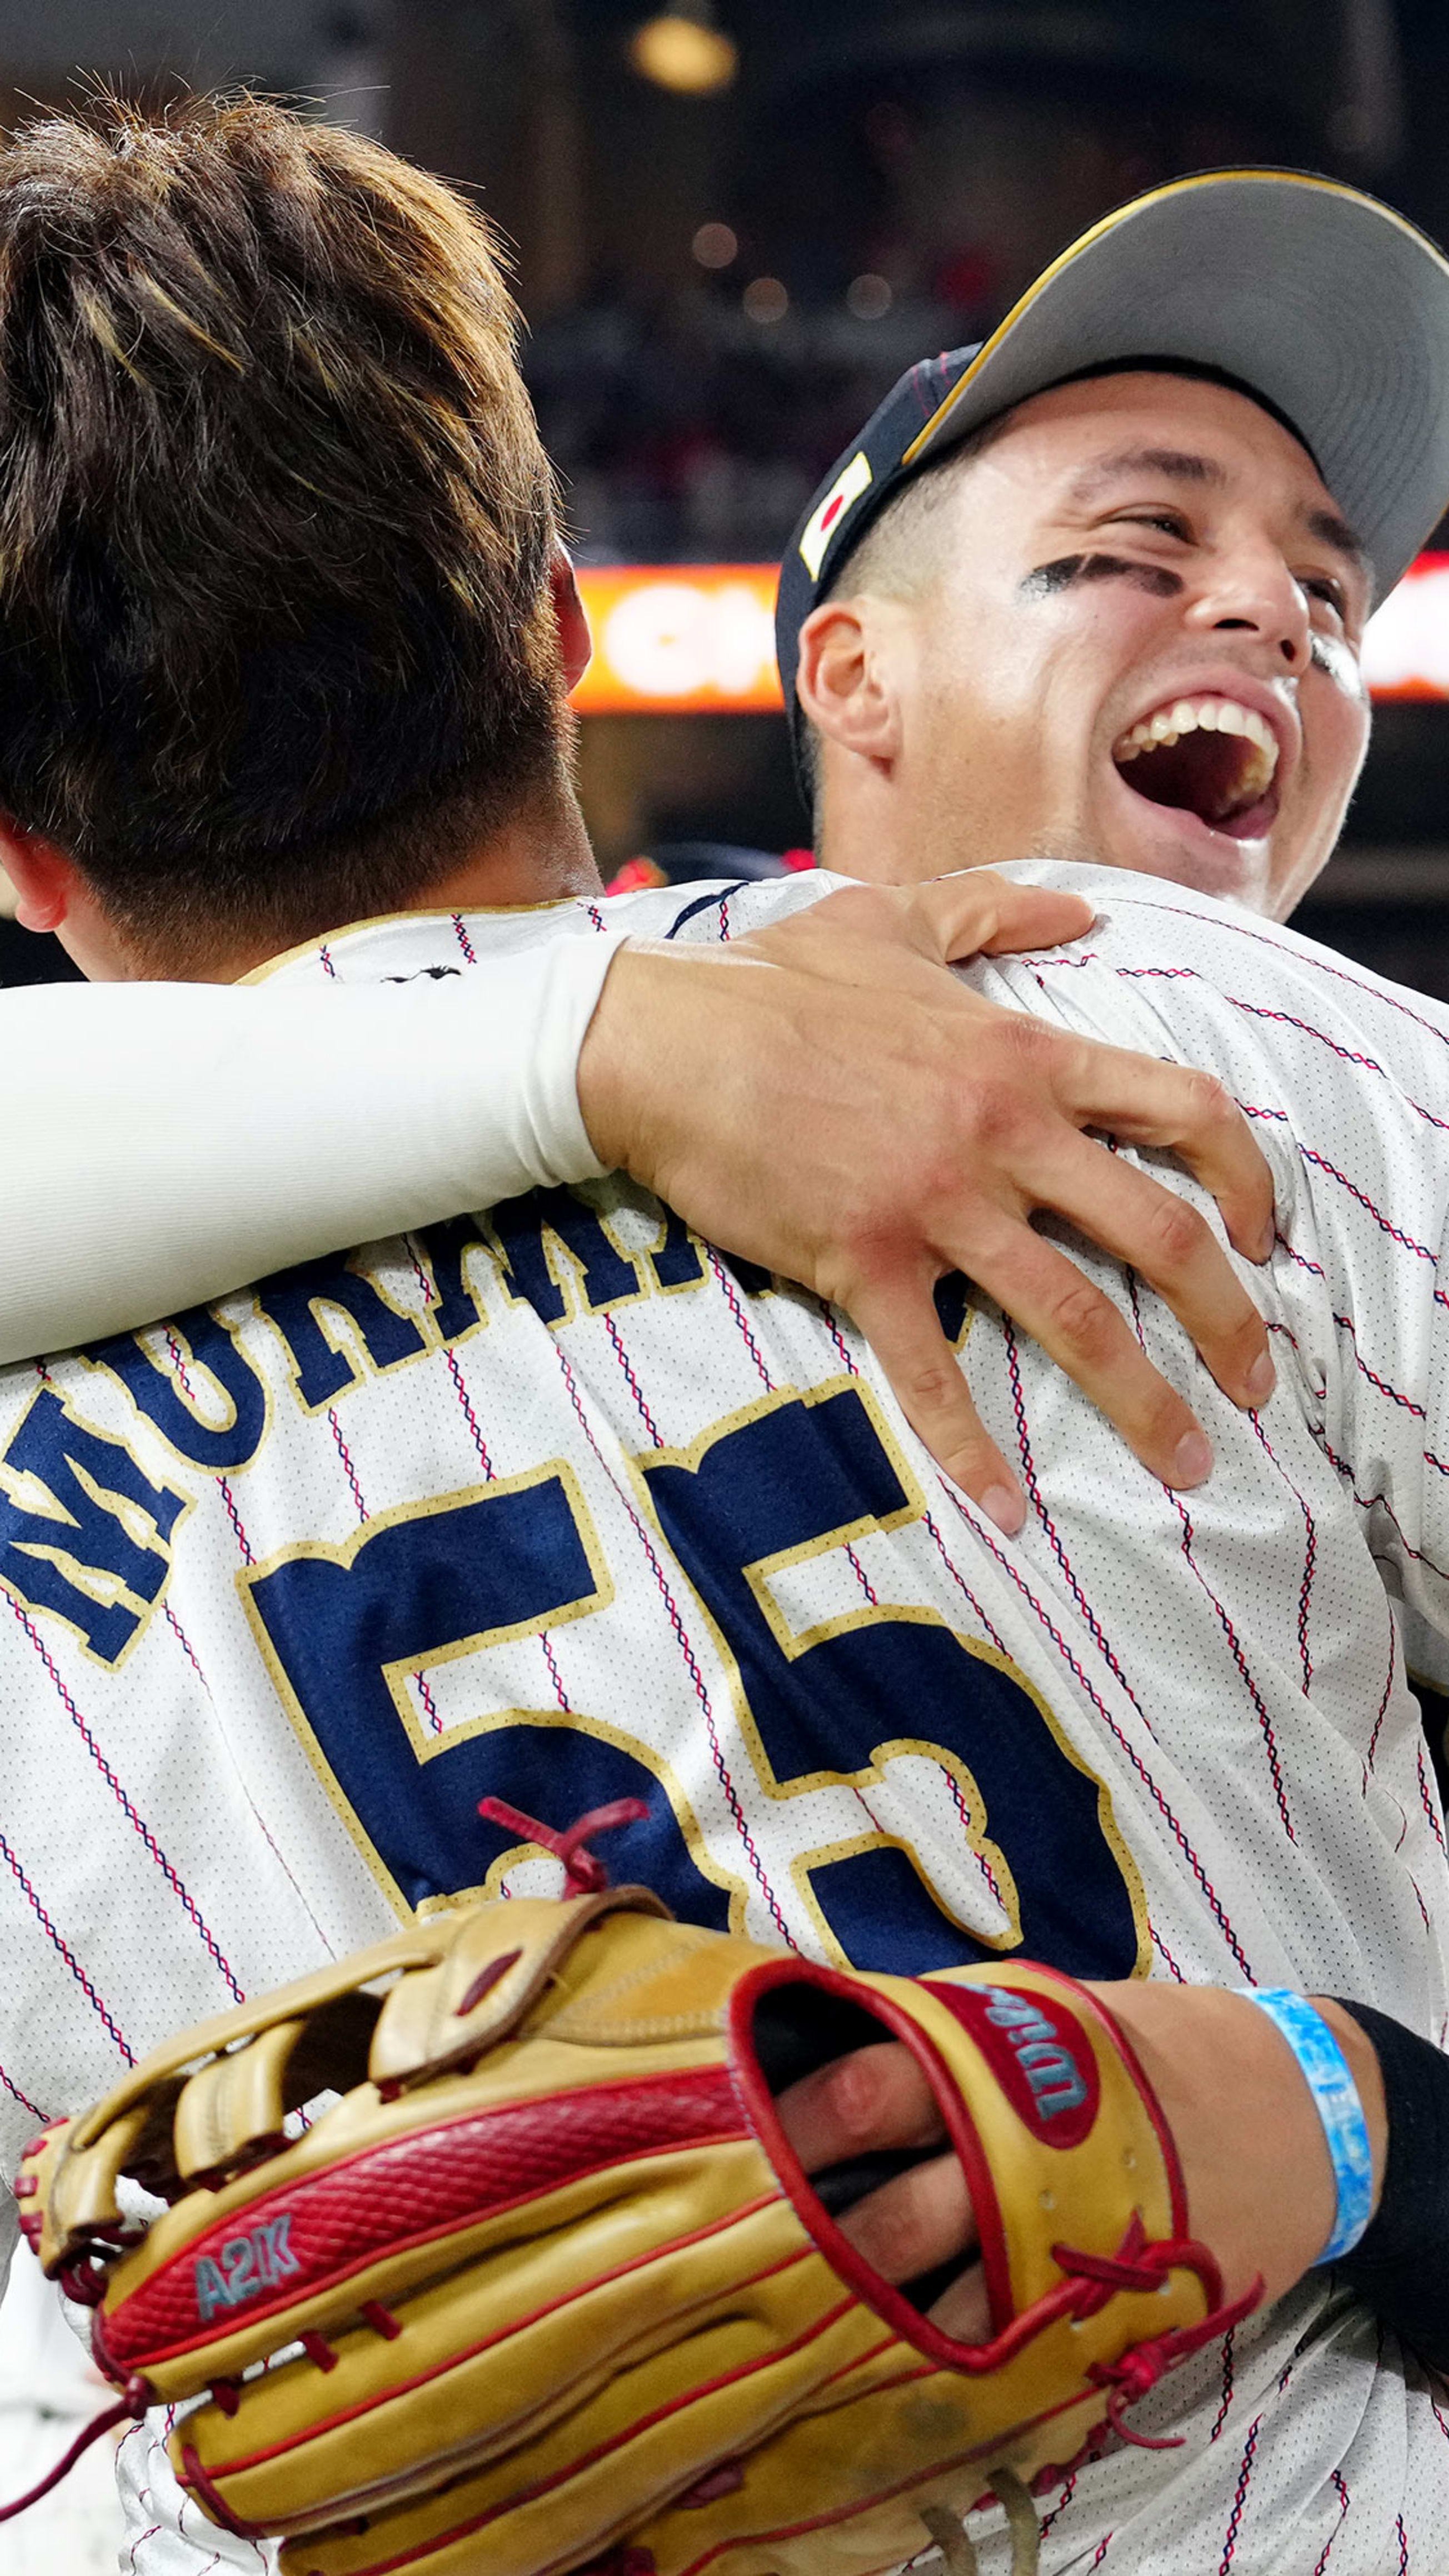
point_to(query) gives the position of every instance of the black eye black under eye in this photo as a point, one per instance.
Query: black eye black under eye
(1068, 571)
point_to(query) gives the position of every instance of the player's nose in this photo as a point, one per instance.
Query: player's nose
(1249, 588)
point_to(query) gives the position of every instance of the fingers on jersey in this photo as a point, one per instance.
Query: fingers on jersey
(1142, 1101)
(1138, 1099)
(928, 1124)
(1159, 1234)
(897, 1315)
(1044, 1292)
(1046, 1295)
(1088, 1337)
(979, 913)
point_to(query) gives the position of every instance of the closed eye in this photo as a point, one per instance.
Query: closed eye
(1171, 522)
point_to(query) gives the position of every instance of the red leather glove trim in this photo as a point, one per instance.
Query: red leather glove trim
(877, 2294)
(355, 2212)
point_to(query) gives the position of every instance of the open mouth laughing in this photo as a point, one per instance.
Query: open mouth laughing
(1206, 755)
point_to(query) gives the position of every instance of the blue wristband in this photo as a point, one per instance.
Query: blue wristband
(1335, 2094)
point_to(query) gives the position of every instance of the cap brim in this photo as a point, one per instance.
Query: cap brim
(1318, 297)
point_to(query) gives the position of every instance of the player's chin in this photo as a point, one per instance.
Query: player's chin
(1173, 842)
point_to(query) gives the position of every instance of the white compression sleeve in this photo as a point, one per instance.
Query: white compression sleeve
(164, 1143)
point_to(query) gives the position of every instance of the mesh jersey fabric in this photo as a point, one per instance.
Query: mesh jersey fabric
(562, 1506)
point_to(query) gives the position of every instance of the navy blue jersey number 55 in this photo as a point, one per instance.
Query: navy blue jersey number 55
(782, 1483)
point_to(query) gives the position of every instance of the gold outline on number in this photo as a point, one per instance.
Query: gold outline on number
(803, 1866)
(570, 1722)
(397, 1671)
(566, 1721)
(344, 1554)
(978, 1840)
(792, 1644)
(491, 1886)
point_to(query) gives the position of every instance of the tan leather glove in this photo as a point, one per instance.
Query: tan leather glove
(552, 2284)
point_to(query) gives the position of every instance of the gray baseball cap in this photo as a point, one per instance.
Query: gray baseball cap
(1328, 304)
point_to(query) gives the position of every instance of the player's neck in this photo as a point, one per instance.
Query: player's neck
(541, 855)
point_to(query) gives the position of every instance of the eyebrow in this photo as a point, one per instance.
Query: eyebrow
(1177, 463)
(1331, 530)
(1180, 465)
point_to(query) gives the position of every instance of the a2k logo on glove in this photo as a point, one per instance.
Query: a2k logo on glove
(247, 2265)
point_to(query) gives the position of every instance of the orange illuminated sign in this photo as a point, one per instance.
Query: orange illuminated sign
(699, 639)
(680, 639)
(1406, 648)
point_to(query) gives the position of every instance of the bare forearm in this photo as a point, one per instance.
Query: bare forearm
(1260, 2181)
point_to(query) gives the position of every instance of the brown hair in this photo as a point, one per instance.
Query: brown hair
(275, 523)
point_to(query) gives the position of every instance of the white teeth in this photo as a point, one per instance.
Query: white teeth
(1208, 715)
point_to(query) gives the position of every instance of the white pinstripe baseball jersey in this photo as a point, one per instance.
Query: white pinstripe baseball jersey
(557, 1504)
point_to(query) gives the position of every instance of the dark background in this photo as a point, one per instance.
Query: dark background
(719, 286)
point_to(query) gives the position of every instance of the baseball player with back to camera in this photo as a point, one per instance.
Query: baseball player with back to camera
(282, 1642)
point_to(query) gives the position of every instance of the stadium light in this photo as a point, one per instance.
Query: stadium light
(682, 49)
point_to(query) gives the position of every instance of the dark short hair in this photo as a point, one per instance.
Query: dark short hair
(275, 523)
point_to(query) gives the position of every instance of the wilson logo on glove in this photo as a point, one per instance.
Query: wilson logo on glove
(245, 2267)
(1050, 2084)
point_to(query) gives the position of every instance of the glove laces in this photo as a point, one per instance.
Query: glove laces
(1138, 2265)
(132, 2403)
(584, 1872)
(954, 2540)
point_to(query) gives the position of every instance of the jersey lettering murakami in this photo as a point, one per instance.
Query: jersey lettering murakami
(557, 1504)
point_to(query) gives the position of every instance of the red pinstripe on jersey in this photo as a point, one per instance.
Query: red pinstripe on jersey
(1240, 2496)
(1034, 1495)
(697, 1679)
(64, 1951)
(982, 1532)
(1341, 2491)
(127, 1805)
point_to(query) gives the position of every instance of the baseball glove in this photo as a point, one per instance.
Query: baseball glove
(547, 2289)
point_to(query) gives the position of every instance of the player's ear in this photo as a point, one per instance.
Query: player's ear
(576, 644)
(845, 679)
(44, 879)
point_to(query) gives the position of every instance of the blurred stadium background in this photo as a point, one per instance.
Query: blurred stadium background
(734, 223)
